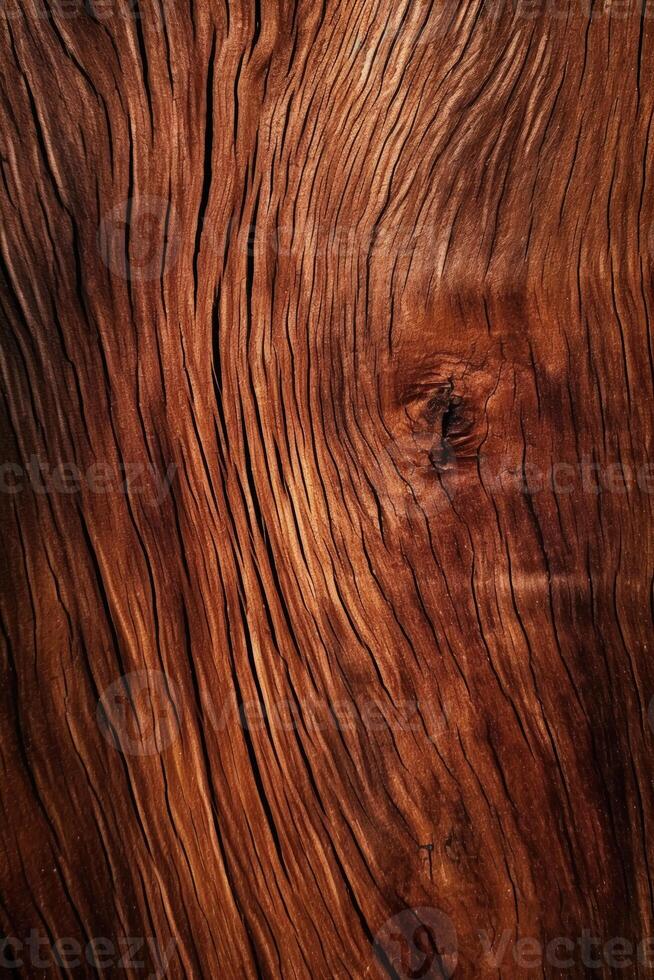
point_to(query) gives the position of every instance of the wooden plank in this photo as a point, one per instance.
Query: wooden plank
(327, 487)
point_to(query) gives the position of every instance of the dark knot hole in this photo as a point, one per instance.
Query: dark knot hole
(444, 413)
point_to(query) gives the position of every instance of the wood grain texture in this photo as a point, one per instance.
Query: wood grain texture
(323, 324)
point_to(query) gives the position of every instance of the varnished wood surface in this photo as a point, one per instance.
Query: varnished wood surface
(327, 424)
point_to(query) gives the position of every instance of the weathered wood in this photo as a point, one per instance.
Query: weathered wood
(327, 352)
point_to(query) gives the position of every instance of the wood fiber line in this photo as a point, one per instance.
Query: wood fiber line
(327, 425)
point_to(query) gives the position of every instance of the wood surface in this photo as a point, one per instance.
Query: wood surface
(327, 375)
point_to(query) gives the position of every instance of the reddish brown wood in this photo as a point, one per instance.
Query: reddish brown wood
(327, 487)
